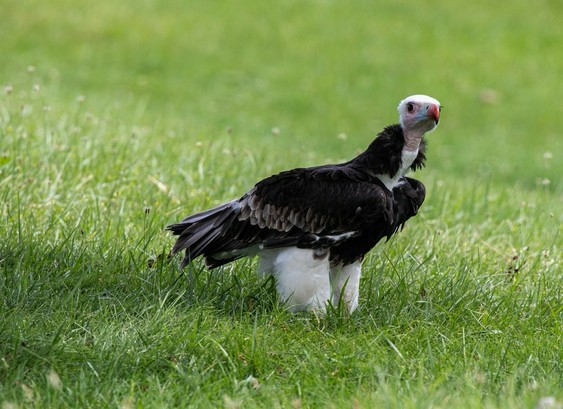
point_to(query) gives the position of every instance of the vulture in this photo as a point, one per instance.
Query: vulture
(311, 227)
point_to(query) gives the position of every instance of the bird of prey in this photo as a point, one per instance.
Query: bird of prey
(311, 227)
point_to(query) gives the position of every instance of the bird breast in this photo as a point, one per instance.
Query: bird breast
(407, 159)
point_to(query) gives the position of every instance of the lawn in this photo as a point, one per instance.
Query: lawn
(117, 119)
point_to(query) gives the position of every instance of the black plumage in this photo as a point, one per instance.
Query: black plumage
(342, 210)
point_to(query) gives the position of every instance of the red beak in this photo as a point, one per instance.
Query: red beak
(434, 112)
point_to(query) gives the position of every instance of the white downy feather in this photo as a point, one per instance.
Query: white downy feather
(303, 280)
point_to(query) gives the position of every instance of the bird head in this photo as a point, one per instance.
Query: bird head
(419, 112)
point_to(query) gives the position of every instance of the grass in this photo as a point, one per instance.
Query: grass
(116, 120)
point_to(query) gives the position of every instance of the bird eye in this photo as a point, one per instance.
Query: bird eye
(410, 107)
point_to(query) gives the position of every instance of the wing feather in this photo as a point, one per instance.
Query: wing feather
(314, 207)
(315, 200)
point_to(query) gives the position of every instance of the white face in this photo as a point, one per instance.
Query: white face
(419, 112)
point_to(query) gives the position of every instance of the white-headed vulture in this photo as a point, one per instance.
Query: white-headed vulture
(311, 227)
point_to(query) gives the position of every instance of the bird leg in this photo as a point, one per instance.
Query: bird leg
(346, 285)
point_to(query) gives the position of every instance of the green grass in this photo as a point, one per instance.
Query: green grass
(117, 119)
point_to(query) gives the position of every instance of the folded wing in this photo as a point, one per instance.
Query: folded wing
(326, 206)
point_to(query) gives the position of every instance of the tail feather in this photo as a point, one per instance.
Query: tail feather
(200, 233)
(207, 213)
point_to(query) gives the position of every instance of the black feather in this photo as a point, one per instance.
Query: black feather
(311, 208)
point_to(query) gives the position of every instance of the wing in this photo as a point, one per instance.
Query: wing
(327, 200)
(303, 207)
(407, 197)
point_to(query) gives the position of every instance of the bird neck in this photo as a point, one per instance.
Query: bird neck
(387, 154)
(412, 139)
